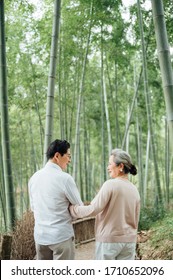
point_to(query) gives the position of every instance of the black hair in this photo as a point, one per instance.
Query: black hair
(133, 170)
(60, 146)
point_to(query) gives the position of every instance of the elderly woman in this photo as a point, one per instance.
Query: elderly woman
(117, 207)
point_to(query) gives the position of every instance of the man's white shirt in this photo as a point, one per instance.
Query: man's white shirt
(51, 192)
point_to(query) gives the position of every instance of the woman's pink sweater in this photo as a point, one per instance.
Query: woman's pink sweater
(117, 208)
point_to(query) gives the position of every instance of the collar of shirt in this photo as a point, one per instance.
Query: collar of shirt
(54, 165)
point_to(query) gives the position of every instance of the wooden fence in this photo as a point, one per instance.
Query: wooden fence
(20, 245)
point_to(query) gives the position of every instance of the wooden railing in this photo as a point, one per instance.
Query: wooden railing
(17, 245)
(84, 230)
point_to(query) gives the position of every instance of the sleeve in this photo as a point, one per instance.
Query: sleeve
(97, 204)
(77, 211)
(30, 196)
(72, 192)
(137, 213)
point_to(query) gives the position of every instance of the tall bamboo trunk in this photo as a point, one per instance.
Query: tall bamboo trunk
(37, 107)
(140, 156)
(80, 101)
(135, 95)
(103, 175)
(6, 155)
(146, 168)
(114, 103)
(148, 108)
(86, 153)
(167, 162)
(118, 139)
(107, 116)
(131, 111)
(51, 78)
(3, 217)
(164, 60)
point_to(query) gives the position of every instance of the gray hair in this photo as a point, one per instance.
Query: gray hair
(120, 156)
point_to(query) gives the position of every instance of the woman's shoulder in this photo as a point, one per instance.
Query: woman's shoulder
(111, 182)
(117, 182)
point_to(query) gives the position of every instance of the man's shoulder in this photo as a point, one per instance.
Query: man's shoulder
(66, 179)
(36, 174)
(66, 176)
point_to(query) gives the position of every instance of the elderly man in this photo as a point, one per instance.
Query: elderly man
(51, 192)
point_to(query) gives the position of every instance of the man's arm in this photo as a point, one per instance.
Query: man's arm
(72, 192)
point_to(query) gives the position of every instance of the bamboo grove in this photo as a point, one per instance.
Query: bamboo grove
(97, 73)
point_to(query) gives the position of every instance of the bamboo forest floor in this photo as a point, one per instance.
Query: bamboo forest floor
(153, 244)
(85, 251)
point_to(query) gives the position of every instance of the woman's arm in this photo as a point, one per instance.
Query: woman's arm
(97, 204)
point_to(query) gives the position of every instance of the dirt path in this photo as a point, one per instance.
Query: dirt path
(85, 251)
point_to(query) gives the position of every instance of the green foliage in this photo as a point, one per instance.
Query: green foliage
(148, 216)
(28, 41)
(163, 228)
(158, 241)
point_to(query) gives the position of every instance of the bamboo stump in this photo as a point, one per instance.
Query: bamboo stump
(5, 252)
